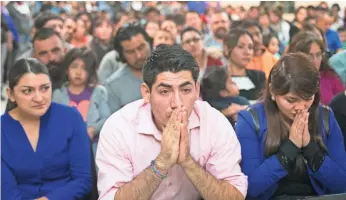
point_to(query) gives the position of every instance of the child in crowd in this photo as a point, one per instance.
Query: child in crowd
(101, 43)
(218, 89)
(82, 91)
(272, 44)
(163, 37)
(342, 36)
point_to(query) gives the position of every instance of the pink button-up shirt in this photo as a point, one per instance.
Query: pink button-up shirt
(129, 141)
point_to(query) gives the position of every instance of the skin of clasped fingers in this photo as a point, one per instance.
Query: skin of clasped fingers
(296, 130)
(184, 146)
(306, 134)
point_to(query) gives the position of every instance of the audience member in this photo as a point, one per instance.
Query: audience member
(134, 46)
(330, 83)
(342, 36)
(101, 43)
(218, 89)
(240, 48)
(192, 41)
(338, 63)
(169, 145)
(324, 22)
(285, 140)
(81, 90)
(219, 28)
(48, 48)
(261, 59)
(339, 109)
(45, 152)
(271, 43)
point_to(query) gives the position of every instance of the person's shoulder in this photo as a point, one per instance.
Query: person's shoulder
(338, 100)
(257, 73)
(63, 112)
(111, 55)
(117, 77)
(125, 115)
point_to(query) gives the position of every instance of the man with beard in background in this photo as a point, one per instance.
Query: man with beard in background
(48, 47)
(134, 45)
(220, 25)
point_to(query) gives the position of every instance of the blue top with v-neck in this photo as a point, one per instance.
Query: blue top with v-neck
(60, 168)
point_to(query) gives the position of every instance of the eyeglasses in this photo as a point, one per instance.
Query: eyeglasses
(194, 40)
(318, 55)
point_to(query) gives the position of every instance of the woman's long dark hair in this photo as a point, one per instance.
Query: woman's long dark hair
(294, 73)
(18, 70)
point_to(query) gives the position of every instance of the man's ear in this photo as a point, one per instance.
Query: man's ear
(145, 91)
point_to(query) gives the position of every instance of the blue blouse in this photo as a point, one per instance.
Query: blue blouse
(61, 166)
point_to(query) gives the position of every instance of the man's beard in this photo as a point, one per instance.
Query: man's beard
(55, 71)
(220, 33)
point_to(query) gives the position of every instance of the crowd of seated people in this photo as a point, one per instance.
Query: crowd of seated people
(172, 100)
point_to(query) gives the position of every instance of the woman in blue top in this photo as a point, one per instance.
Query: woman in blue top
(289, 152)
(45, 149)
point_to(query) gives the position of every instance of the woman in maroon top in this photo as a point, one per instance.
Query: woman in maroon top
(192, 41)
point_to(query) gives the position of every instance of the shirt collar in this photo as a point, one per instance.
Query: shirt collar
(146, 125)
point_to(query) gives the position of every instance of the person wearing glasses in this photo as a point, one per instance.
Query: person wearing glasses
(309, 43)
(192, 41)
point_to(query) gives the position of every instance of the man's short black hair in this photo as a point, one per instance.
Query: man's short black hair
(44, 17)
(45, 33)
(310, 7)
(168, 58)
(126, 32)
(150, 10)
(245, 24)
(341, 29)
(188, 29)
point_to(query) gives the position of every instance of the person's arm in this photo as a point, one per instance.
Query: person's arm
(141, 188)
(113, 99)
(263, 175)
(80, 163)
(9, 189)
(208, 186)
(115, 177)
(338, 86)
(331, 173)
(102, 108)
(338, 43)
(222, 177)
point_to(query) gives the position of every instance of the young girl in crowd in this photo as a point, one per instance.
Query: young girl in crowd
(287, 150)
(310, 44)
(82, 91)
(102, 40)
(80, 37)
(272, 44)
(163, 37)
(218, 89)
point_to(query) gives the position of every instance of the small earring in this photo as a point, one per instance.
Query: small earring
(273, 98)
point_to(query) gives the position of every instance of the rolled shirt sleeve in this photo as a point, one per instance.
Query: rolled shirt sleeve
(115, 169)
(224, 161)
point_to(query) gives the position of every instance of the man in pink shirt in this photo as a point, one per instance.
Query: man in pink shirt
(169, 145)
